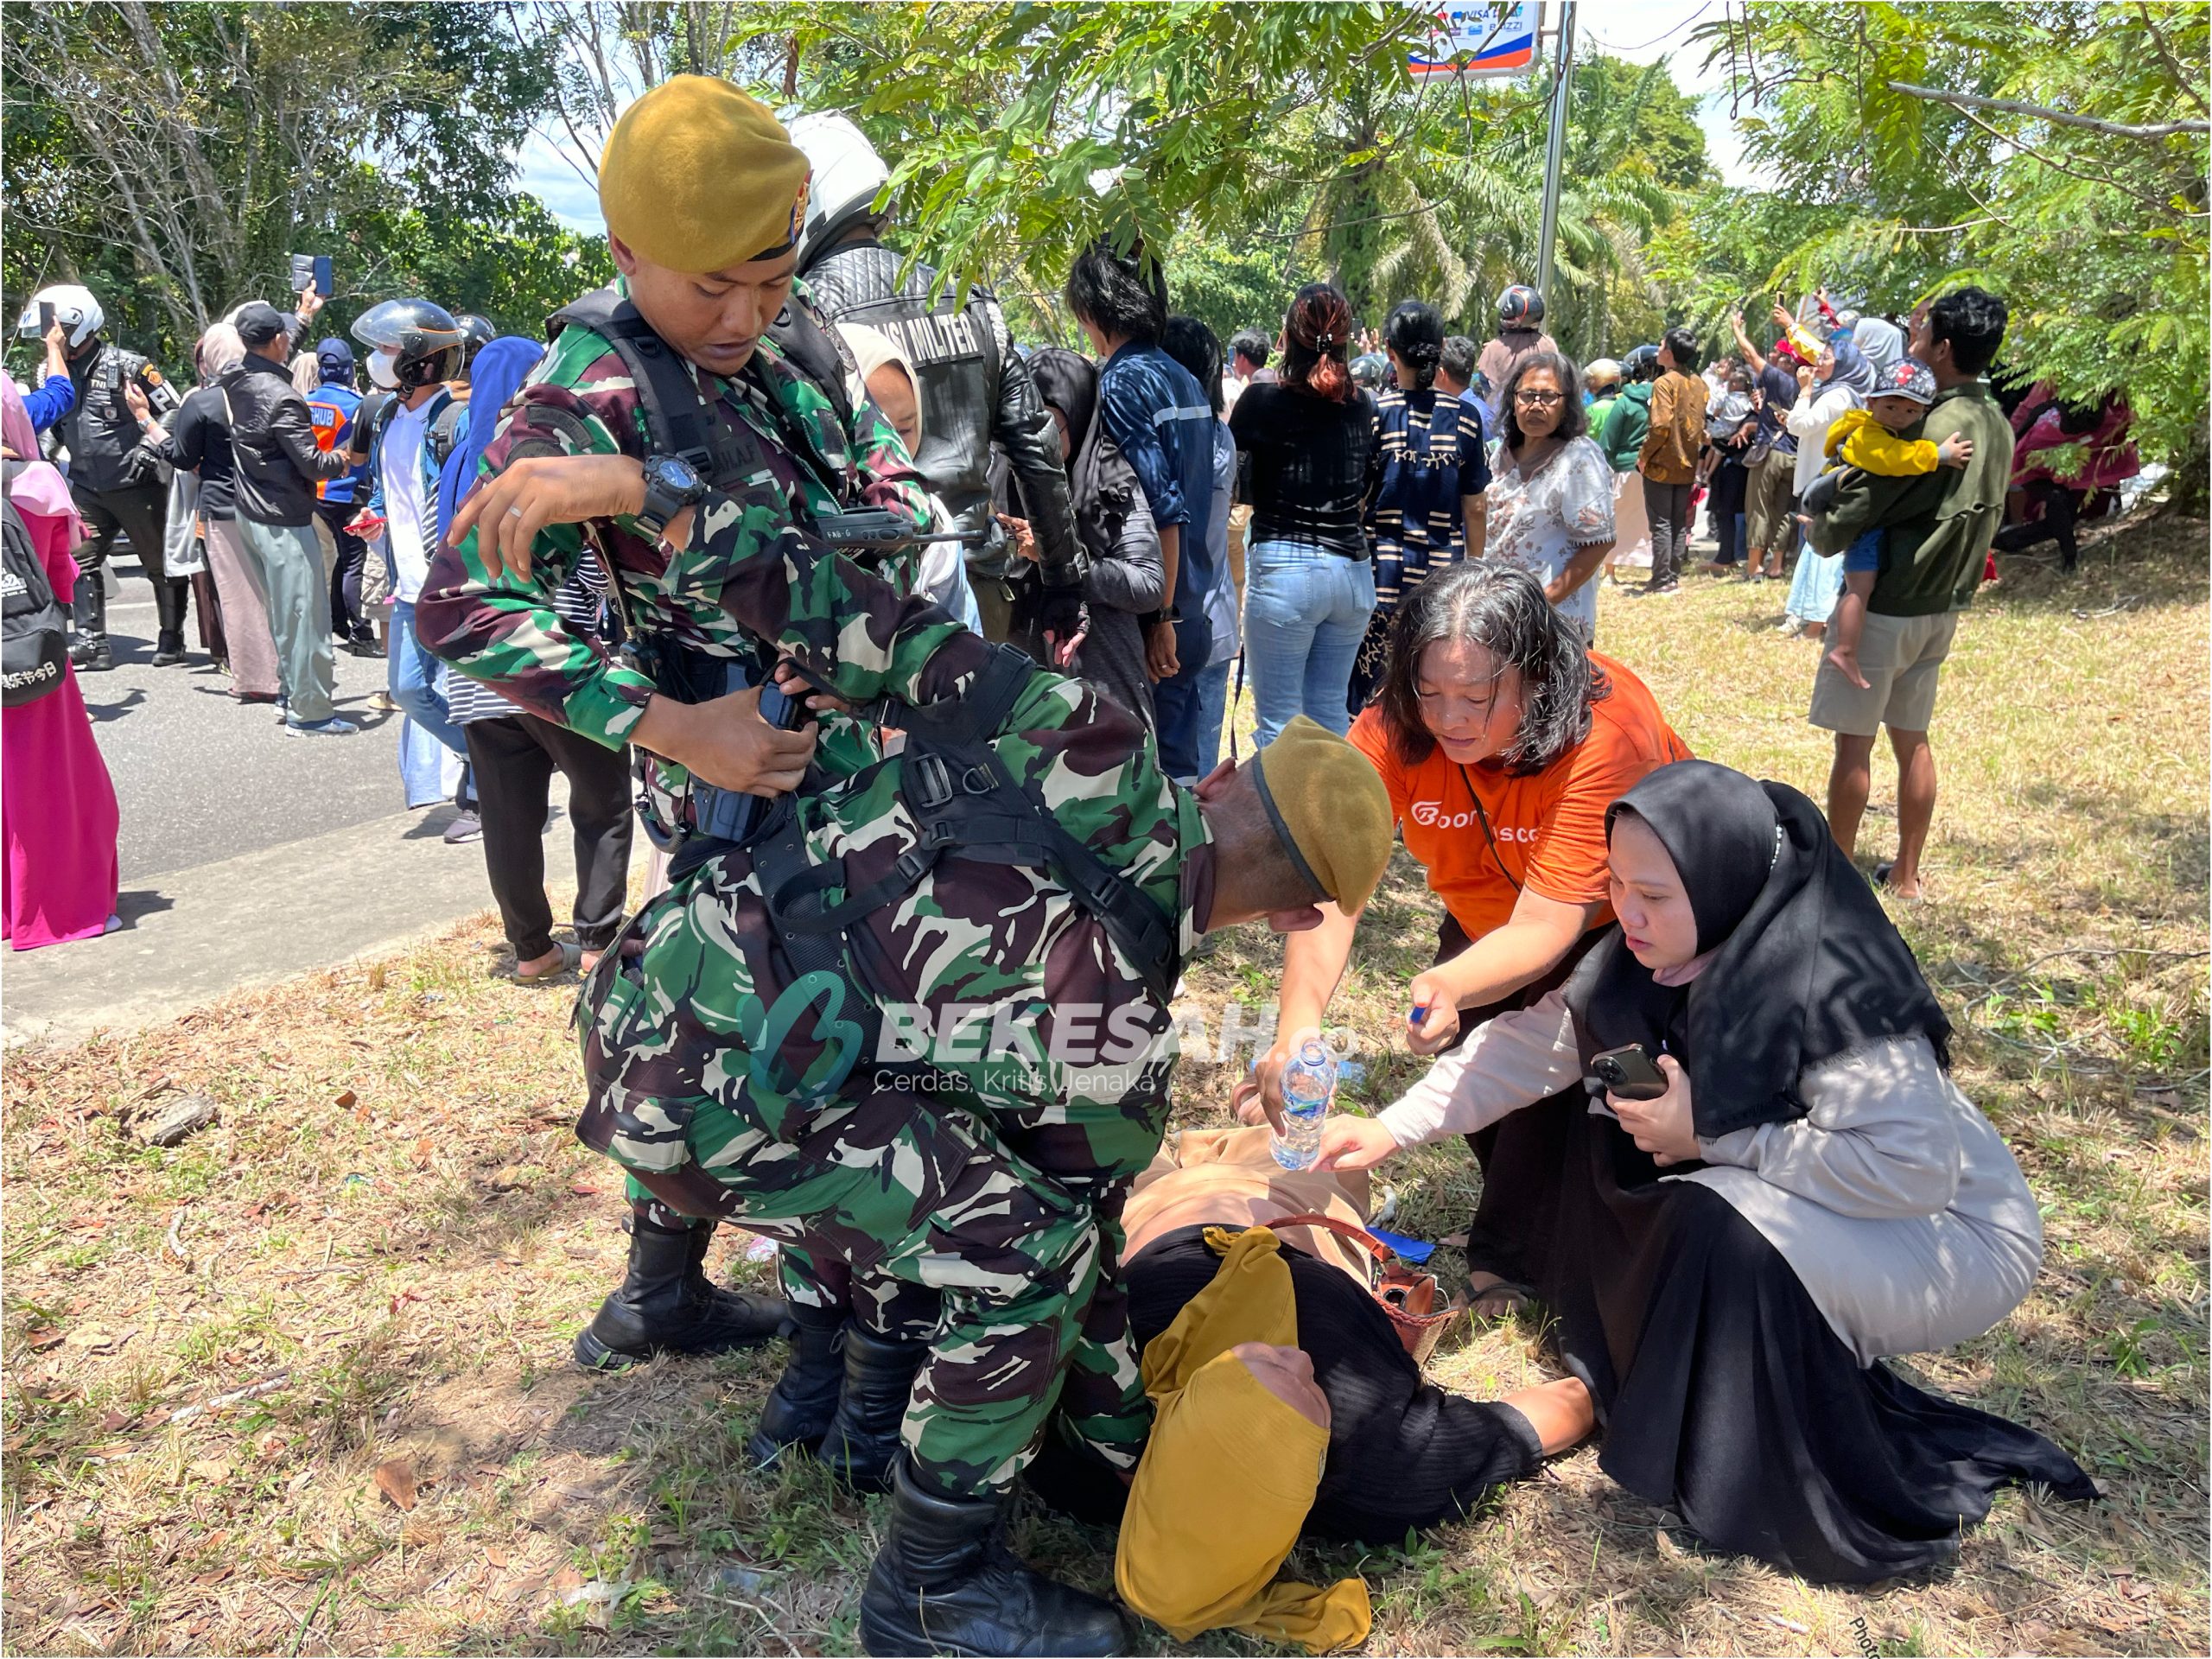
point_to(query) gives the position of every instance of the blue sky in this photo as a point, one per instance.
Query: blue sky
(1641, 31)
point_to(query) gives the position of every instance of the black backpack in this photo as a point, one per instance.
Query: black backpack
(34, 630)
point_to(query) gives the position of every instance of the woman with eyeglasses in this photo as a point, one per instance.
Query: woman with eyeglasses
(1551, 491)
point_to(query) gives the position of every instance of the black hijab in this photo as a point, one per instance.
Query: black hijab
(1806, 965)
(1068, 381)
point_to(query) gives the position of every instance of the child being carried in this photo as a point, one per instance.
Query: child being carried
(1882, 438)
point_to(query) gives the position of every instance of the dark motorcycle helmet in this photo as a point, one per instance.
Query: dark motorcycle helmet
(476, 333)
(1520, 306)
(425, 342)
(1642, 363)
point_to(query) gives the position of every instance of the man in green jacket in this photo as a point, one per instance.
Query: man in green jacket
(1936, 529)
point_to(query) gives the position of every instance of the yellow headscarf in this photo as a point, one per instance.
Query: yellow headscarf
(1230, 1472)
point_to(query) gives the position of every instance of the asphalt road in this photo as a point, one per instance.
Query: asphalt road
(201, 778)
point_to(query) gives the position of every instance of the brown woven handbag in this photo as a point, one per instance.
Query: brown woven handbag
(1406, 1296)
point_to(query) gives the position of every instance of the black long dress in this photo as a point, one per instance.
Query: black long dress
(1722, 1394)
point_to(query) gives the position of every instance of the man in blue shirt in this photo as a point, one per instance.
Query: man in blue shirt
(333, 409)
(1164, 422)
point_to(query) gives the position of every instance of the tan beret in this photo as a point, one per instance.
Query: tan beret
(1330, 807)
(697, 176)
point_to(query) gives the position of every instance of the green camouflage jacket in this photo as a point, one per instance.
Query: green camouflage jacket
(994, 975)
(580, 400)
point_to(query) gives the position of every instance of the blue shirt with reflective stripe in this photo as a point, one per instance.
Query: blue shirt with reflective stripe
(1158, 413)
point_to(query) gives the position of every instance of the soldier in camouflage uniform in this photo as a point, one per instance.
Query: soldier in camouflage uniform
(582, 398)
(742, 1066)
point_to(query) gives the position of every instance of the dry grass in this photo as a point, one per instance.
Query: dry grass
(391, 1226)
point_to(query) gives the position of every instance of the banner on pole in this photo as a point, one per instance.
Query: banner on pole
(1478, 40)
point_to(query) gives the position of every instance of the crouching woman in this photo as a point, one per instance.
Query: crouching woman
(1728, 1264)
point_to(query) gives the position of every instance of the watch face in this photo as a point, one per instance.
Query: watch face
(676, 474)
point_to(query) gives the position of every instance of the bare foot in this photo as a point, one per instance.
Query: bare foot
(1909, 890)
(1846, 663)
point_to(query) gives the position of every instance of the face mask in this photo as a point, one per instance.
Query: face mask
(384, 369)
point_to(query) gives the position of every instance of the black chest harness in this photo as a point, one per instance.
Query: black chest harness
(958, 793)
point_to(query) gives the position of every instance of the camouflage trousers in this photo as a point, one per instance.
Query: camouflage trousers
(995, 1234)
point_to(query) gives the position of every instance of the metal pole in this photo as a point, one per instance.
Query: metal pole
(1555, 149)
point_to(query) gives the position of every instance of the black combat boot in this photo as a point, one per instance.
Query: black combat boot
(799, 1411)
(862, 1442)
(668, 1305)
(946, 1583)
(169, 598)
(88, 608)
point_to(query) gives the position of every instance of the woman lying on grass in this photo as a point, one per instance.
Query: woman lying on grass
(1727, 1264)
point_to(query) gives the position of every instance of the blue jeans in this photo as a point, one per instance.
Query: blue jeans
(1213, 704)
(412, 675)
(1175, 701)
(1305, 614)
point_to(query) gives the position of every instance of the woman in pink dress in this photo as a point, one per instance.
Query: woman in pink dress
(57, 804)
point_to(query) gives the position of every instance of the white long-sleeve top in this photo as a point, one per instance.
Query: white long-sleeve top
(1895, 1202)
(1808, 420)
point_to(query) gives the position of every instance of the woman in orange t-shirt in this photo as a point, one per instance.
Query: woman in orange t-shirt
(1502, 741)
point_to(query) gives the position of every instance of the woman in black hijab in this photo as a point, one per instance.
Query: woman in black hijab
(1726, 1266)
(1126, 579)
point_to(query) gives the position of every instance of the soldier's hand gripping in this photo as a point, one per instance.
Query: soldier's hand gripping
(726, 741)
(507, 511)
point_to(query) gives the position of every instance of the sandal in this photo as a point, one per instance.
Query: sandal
(571, 958)
(1520, 1296)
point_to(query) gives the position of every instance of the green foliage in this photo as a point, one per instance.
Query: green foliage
(1259, 146)
(2096, 240)
(1228, 291)
(172, 157)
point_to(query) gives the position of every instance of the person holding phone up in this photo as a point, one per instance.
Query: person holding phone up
(1773, 1184)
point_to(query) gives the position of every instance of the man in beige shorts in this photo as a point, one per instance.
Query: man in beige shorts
(1937, 528)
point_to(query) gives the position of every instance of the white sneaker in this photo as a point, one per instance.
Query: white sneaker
(333, 726)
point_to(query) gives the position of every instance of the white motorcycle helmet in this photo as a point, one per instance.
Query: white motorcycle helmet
(74, 309)
(847, 175)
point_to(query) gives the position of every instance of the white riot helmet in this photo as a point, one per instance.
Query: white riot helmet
(74, 309)
(847, 175)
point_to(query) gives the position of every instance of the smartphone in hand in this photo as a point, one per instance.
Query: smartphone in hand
(1628, 1072)
(311, 270)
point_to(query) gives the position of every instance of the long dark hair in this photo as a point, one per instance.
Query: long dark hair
(1573, 420)
(1502, 608)
(1316, 343)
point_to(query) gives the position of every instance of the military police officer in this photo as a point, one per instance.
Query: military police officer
(113, 482)
(974, 389)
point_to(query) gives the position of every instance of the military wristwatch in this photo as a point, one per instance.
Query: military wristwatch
(671, 484)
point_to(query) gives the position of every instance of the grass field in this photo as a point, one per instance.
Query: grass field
(299, 1385)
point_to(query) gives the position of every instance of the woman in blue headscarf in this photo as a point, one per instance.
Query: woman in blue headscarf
(512, 755)
(1839, 379)
(495, 375)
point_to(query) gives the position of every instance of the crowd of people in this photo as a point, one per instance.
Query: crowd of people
(922, 647)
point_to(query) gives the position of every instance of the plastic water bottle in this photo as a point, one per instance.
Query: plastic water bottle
(1307, 1083)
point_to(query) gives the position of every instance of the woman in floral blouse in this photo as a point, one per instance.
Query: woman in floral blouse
(1551, 489)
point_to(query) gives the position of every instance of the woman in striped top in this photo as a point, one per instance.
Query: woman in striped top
(1426, 511)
